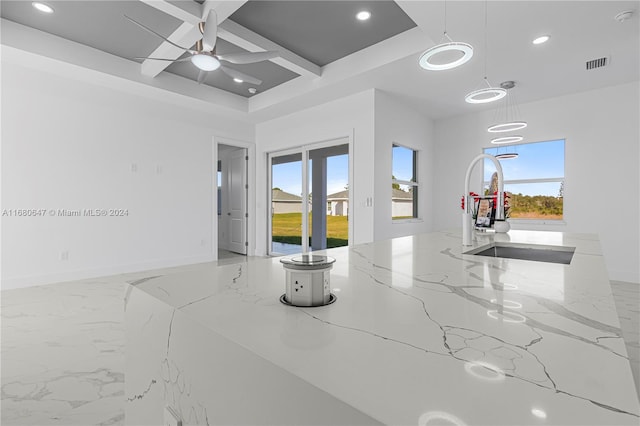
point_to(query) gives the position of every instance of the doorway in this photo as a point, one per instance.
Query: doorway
(232, 201)
(309, 198)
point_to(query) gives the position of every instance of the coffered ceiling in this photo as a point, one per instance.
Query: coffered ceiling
(319, 32)
(325, 53)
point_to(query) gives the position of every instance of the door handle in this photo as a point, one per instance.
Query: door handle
(228, 213)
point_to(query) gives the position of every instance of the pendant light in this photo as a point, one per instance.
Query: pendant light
(506, 139)
(447, 45)
(489, 93)
(507, 155)
(506, 118)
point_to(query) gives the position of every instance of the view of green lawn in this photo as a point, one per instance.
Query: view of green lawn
(287, 228)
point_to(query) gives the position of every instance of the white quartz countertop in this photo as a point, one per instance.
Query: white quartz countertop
(424, 334)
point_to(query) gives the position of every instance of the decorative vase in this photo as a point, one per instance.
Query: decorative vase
(501, 226)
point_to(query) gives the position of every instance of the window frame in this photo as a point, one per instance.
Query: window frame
(411, 183)
(561, 221)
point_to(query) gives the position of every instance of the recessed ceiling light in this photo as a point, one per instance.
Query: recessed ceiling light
(252, 90)
(541, 414)
(42, 7)
(541, 39)
(237, 80)
(363, 15)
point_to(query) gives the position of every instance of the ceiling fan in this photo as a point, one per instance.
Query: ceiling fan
(204, 56)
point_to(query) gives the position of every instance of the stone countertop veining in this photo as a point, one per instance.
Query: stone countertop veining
(424, 334)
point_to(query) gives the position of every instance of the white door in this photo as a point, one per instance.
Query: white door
(237, 204)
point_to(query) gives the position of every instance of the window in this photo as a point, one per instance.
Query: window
(404, 184)
(535, 179)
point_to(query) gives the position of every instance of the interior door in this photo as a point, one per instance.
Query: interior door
(237, 204)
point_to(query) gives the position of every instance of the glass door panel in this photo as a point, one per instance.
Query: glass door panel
(328, 187)
(286, 204)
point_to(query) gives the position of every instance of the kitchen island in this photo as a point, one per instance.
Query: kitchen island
(421, 334)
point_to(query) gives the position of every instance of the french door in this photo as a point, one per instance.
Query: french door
(309, 197)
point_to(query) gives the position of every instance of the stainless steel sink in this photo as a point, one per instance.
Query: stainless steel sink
(532, 252)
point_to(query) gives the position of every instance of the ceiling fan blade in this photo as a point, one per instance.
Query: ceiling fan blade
(156, 34)
(240, 75)
(248, 57)
(210, 31)
(165, 59)
(202, 75)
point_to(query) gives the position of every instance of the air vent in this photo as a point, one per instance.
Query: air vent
(596, 63)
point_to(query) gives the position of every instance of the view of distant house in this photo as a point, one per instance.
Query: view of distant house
(284, 202)
(338, 203)
(401, 203)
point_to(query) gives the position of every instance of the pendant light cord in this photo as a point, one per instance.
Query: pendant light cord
(445, 17)
(485, 42)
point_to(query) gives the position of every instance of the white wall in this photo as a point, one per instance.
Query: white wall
(399, 124)
(377, 120)
(69, 144)
(349, 116)
(602, 184)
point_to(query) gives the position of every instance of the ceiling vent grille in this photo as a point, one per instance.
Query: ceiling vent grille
(596, 63)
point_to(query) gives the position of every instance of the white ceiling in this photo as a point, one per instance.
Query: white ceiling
(580, 31)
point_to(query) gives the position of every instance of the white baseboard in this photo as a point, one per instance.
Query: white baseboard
(629, 276)
(10, 283)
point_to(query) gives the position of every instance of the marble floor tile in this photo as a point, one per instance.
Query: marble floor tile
(62, 348)
(63, 354)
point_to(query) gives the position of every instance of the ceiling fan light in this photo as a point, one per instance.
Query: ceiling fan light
(507, 127)
(506, 139)
(205, 62)
(465, 48)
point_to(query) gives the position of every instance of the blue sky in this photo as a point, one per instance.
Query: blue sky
(402, 163)
(288, 176)
(535, 161)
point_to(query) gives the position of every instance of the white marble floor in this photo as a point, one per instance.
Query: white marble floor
(63, 349)
(226, 257)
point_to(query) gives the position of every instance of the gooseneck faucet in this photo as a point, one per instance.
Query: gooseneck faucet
(467, 217)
